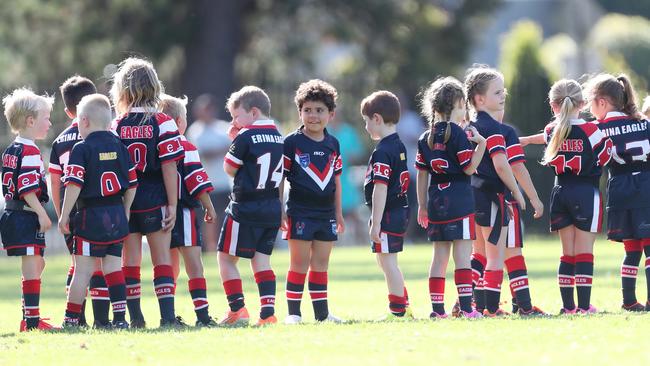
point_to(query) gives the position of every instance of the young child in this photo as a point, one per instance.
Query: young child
(194, 190)
(576, 151)
(102, 181)
(154, 146)
(486, 94)
(612, 100)
(386, 186)
(445, 154)
(253, 215)
(24, 221)
(314, 217)
(72, 90)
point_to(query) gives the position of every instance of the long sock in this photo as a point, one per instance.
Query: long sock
(163, 282)
(397, 304)
(566, 280)
(31, 299)
(493, 280)
(584, 279)
(406, 297)
(199, 292)
(100, 297)
(646, 249)
(117, 294)
(629, 270)
(132, 278)
(518, 276)
(463, 280)
(234, 294)
(437, 294)
(478, 267)
(266, 286)
(295, 287)
(318, 292)
(72, 313)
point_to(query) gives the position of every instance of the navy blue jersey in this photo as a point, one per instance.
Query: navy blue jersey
(486, 176)
(514, 151)
(583, 153)
(61, 148)
(310, 167)
(101, 166)
(256, 152)
(192, 178)
(23, 171)
(387, 166)
(445, 161)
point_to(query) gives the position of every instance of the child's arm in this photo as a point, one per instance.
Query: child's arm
(206, 202)
(340, 225)
(532, 139)
(72, 192)
(127, 200)
(44, 221)
(422, 183)
(504, 172)
(283, 220)
(379, 194)
(55, 183)
(478, 151)
(522, 176)
(170, 179)
(229, 169)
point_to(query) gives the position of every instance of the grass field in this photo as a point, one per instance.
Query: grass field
(356, 292)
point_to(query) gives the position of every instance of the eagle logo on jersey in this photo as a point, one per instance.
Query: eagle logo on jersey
(304, 160)
(300, 227)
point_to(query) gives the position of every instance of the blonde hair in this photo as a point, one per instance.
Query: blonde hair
(135, 84)
(617, 90)
(248, 97)
(646, 107)
(97, 108)
(477, 82)
(441, 98)
(23, 103)
(174, 107)
(567, 94)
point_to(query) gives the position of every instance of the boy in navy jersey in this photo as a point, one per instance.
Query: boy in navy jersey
(101, 179)
(72, 90)
(253, 215)
(385, 188)
(314, 217)
(24, 221)
(613, 102)
(194, 187)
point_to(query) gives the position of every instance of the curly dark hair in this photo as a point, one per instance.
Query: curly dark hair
(316, 90)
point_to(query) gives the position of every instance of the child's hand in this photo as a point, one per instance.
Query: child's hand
(423, 217)
(233, 131)
(64, 224)
(284, 222)
(340, 224)
(538, 206)
(520, 199)
(474, 136)
(210, 215)
(44, 223)
(374, 233)
(169, 220)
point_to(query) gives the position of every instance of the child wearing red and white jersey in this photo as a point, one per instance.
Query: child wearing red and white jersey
(576, 151)
(385, 189)
(445, 162)
(314, 217)
(486, 94)
(153, 142)
(24, 221)
(194, 188)
(612, 100)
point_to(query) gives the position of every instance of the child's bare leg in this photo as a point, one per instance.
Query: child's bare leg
(584, 246)
(231, 280)
(567, 269)
(84, 267)
(31, 268)
(266, 285)
(116, 286)
(163, 275)
(437, 271)
(494, 268)
(131, 261)
(300, 251)
(318, 265)
(394, 281)
(463, 274)
(196, 283)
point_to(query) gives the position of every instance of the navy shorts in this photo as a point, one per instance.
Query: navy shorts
(627, 224)
(88, 249)
(463, 228)
(491, 211)
(515, 227)
(308, 229)
(393, 227)
(576, 204)
(69, 238)
(100, 225)
(451, 212)
(20, 236)
(187, 231)
(243, 240)
(146, 222)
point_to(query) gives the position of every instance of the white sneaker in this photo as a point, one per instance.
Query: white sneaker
(333, 319)
(293, 319)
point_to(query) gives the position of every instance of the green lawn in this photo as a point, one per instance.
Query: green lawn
(356, 292)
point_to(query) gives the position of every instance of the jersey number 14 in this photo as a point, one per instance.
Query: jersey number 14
(264, 163)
